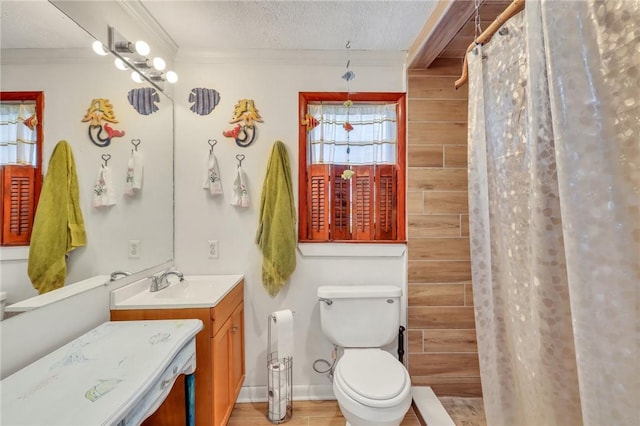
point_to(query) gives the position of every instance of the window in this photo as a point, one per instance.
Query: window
(21, 138)
(352, 167)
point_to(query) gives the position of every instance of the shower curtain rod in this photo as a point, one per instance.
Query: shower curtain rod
(511, 10)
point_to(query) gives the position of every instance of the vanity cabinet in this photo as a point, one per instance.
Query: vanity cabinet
(220, 367)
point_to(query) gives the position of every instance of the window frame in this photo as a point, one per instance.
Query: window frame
(38, 98)
(304, 98)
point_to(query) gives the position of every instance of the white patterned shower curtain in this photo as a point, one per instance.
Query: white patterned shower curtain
(554, 187)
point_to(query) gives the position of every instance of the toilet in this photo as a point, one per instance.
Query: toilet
(373, 388)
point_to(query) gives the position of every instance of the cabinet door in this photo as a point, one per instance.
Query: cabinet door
(220, 363)
(236, 354)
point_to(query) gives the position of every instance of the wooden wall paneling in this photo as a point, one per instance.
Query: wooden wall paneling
(422, 226)
(439, 271)
(444, 317)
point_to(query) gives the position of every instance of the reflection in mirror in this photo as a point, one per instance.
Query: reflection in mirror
(135, 233)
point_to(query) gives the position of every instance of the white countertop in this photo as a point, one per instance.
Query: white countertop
(195, 291)
(58, 294)
(104, 377)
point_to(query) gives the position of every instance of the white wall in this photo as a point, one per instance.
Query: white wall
(272, 80)
(70, 82)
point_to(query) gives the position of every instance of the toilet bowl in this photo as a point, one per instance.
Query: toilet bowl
(372, 388)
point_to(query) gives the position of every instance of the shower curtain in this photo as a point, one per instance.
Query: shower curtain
(554, 197)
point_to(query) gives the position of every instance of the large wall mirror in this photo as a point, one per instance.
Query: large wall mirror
(44, 50)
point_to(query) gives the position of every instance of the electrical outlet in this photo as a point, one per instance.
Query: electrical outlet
(213, 249)
(134, 249)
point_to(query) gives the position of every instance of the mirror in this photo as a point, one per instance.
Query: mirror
(44, 50)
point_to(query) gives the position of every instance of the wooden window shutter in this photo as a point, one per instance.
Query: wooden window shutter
(318, 202)
(18, 201)
(340, 204)
(363, 206)
(386, 204)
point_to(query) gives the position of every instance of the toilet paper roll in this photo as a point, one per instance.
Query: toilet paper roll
(277, 405)
(278, 391)
(284, 332)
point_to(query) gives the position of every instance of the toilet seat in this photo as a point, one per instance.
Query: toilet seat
(372, 377)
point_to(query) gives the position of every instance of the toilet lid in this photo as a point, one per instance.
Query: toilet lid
(371, 374)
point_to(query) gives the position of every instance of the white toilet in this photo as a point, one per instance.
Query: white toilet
(373, 388)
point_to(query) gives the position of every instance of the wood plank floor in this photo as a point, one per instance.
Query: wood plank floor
(305, 413)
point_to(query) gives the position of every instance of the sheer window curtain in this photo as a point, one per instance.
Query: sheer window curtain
(554, 187)
(18, 133)
(373, 140)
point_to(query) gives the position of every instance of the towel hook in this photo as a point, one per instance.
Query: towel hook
(212, 143)
(106, 158)
(240, 157)
(135, 143)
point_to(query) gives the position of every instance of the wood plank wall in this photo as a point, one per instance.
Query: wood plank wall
(441, 328)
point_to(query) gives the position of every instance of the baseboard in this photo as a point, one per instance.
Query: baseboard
(428, 407)
(299, 393)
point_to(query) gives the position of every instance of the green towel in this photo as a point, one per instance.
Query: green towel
(276, 234)
(58, 226)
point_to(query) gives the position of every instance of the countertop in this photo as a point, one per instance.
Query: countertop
(113, 373)
(195, 291)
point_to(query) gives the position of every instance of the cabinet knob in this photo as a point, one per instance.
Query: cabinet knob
(234, 329)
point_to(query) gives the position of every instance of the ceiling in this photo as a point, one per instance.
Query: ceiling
(390, 25)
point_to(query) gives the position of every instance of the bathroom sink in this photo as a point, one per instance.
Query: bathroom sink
(195, 291)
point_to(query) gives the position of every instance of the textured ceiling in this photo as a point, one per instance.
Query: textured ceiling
(227, 25)
(315, 25)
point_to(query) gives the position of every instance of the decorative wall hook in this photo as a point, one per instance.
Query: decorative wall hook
(136, 143)
(106, 158)
(240, 158)
(212, 143)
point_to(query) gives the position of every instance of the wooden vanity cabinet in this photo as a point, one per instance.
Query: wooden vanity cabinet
(220, 367)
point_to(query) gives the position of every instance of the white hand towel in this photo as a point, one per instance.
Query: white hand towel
(134, 173)
(240, 194)
(103, 192)
(212, 179)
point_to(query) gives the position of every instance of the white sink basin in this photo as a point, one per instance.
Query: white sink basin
(195, 291)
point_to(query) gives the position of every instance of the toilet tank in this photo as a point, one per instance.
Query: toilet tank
(361, 316)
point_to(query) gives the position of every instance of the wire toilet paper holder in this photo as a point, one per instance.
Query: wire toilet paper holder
(279, 382)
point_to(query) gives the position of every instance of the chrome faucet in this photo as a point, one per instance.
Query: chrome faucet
(158, 282)
(116, 274)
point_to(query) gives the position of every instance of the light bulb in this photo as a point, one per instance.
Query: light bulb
(172, 77)
(99, 48)
(142, 48)
(159, 63)
(120, 64)
(135, 76)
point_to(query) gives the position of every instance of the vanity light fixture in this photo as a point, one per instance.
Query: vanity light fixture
(135, 76)
(156, 76)
(142, 48)
(159, 63)
(120, 64)
(172, 77)
(134, 56)
(98, 47)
